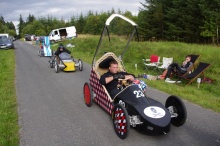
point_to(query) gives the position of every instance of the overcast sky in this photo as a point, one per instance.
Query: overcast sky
(12, 9)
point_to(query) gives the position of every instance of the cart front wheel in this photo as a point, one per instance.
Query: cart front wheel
(177, 109)
(121, 121)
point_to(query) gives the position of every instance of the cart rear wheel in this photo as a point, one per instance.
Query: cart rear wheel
(51, 61)
(52, 41)
(57, 68)
(177, 109)
(80, 64)
(88, 95)
(121, 121)
(40, 53)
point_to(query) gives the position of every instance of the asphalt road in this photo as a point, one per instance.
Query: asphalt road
(52, 111)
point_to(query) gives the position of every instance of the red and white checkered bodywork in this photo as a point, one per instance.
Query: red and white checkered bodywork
(101, 96)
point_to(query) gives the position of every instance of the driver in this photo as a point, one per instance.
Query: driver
(60, 50)
(110, 79)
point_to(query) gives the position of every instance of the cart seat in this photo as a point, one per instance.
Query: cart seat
(102, 65)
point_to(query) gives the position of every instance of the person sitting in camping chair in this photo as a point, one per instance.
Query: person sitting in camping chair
(180, 69)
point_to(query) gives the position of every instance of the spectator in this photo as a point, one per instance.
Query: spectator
(181, 69)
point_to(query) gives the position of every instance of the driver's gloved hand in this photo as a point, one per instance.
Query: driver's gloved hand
(121, 76)
(118, 76)
(115, 77)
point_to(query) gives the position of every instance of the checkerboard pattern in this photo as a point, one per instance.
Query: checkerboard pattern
(101, 98)
(120, 121)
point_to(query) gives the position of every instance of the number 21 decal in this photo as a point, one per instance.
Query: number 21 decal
(138, 93)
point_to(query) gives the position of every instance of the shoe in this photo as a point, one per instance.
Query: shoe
(178, 81)
(167, 80)
(158, 77)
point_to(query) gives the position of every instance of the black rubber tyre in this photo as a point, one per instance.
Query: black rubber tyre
(52, 41)
(51, 63)
(176, 106)
(88, 95)
(80, 64)
(57, 68)
(52, 53)
(121, 121)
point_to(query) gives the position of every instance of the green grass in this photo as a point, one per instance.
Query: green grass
(8, 106)
(206, 96)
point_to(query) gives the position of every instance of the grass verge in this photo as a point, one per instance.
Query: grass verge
(8, 105)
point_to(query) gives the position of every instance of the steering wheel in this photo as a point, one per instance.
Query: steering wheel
(124, 82)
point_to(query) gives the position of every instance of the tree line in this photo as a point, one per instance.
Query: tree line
(91, 23)
(7, 27)
(191, 21)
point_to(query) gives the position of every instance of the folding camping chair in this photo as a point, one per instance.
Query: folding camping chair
(194, 59)
(166, 62)
(152, 62)
(196, 73)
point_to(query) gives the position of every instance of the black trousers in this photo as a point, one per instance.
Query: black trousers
(114, 92)
(174, 67)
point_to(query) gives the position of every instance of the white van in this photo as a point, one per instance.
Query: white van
(6, 35)
(61, 33)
